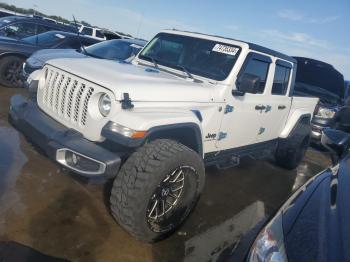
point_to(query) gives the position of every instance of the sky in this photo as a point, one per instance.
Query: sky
(316, 29)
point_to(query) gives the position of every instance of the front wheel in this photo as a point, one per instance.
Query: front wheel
(156, 189)
(10, 71)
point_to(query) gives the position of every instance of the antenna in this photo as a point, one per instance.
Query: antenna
(81, 44)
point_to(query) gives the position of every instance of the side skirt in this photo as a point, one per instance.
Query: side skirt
(231, 157)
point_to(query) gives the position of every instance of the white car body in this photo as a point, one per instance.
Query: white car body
(154, 128)
(161, 98)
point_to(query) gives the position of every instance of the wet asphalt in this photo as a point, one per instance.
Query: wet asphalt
(46, 209)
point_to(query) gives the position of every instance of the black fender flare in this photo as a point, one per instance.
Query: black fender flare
(188, 134)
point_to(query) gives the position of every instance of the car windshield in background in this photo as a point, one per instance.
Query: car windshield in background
(206, 58)
(114, 50)
(47, 39)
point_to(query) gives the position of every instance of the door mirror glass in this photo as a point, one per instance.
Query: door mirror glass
(337, 142)
(249, 83)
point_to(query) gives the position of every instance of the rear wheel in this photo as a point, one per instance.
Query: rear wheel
(290, 152)
(10, 71)
(156, 189)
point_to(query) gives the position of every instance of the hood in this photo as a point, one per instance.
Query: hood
(4, 39)
(47, 54)
(11, 44)
(142, 83)
(328, 98)
(316, 223)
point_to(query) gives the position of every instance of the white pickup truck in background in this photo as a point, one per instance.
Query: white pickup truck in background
(188, 101)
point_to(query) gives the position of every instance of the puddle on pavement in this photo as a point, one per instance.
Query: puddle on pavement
(67, 217)
(12, 160)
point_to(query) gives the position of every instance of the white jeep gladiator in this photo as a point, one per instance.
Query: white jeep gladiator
(187, 101)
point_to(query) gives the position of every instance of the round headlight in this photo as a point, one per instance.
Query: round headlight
(105, 104)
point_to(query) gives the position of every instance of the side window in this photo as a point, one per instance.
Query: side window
(86, 31)
(281, 80)
(43, 29)
(260, 69)
(99, 34)
(21, 29)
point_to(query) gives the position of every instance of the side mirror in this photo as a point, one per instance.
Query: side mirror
(337, 142)
(247, 83)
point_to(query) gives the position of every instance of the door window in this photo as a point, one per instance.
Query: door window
(86, 31)
(281, 80)
(260, 69)
(21, 29)
(99, 34)
(43, 29)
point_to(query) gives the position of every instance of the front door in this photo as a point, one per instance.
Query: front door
(241, 122)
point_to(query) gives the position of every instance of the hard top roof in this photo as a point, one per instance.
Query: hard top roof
(252, 46)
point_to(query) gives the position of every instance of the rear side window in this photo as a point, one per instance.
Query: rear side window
(281, 80)
(99, 34)
(260, 69)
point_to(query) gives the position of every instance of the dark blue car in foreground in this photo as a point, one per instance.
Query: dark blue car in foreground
(314, 224)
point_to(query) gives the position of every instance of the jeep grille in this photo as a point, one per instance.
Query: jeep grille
(67, 96)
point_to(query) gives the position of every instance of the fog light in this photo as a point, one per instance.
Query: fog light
(79, 162)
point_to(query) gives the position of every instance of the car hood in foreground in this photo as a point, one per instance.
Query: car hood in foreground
(142, 83)
(316, 222)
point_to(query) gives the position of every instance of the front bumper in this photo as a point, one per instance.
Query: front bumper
(65, 146)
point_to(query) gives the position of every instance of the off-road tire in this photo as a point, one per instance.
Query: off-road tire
(290, 152)
(5, 68)
(138, 179)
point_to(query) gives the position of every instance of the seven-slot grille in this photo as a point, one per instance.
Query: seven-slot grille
(67, 96)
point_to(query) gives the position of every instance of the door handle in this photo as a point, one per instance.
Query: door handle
(281, 107)
(260, 107)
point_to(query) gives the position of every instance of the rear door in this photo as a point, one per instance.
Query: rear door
(278, 102)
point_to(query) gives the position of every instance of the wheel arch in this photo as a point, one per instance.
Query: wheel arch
(188, 134)
(7, 54)
(297, 125)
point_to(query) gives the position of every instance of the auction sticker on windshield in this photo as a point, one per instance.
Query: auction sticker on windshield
(225, 49)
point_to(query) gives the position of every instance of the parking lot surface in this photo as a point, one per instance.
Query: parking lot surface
(49, 210)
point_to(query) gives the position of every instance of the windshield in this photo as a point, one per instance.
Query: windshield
(206, 58)
(114, 50)
(47, 39)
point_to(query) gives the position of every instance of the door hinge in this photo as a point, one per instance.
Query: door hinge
(261, 130)
(228, 109)
(268, 108)
(222, 135)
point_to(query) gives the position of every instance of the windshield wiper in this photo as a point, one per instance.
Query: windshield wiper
(186, 71)
(154, 61)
